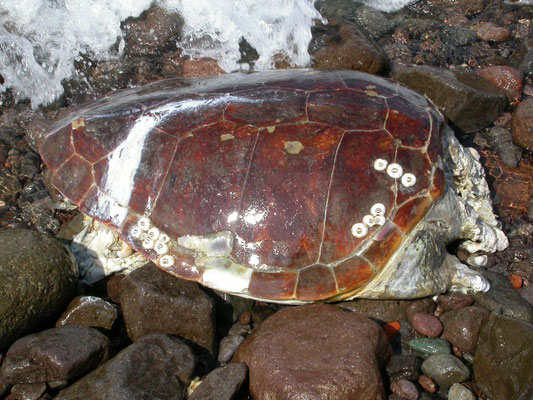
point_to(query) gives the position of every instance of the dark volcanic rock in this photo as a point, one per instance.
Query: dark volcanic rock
(351, 49)
(503, 364)
(89, 311)
(462, 326)
(55, 354)
(38, 277)
(502, 298)
(222, 383)
(470, 101)
(156, 367)
(316, 351)
(154, 301)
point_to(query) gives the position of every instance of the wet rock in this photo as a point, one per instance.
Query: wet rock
(425, 305)
(222, 383)
(155, 367)
(427, 324)
(467, 7)
(27, 391)
(39, 277)
(404, 367)
(152, 32)
(508, 79)
(350, 50)
(404, 389)
(373, 22)
(513, 185)
(297, 351)
(154, 301)
(458, 36)
(526, 55)
(502, 141)
(490, 32)
(527, 293)
(42, 216)
(112, 287)
(453, 301)
(470, 101)
(503, 299)
(427, 383)
(200, 67)
(228, 346)
(89, 311)
(55, 354)
(460, 392)
(381, 310)
(522, 124)
(503, 363)
(462, 327)
(430, 346)
(445, 369)
(10, 185)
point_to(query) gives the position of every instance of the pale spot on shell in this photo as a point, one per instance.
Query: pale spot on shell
(368, 220)
(163, 238)
(371, 93)
(78, 123)
(370, 86)
(293, 147)
(153, 233)
(377, 209)
(167, 261)
(380, 164)
(380, 220)
(160, 248)
(135, 232)
(408, 180)
(148, 244)
(394, 170)
(271, 129)
(359, 230)
(144, 223)
(226, 136)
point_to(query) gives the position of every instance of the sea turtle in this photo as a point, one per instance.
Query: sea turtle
(286, 186)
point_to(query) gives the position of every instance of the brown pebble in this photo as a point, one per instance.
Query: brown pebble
(427, 324)
(490, 32)
(245, 318)
(405, 389)
(457, 351)
(427, 383)
(438, 311)
(504, 119)
(454, 301)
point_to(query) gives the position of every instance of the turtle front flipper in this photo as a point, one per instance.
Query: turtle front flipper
(463, 279)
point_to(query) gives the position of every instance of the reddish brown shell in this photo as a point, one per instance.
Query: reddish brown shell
(284, 162)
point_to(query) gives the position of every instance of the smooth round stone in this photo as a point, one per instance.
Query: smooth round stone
(427, 384)
(405, 389)
(430, 346)
(460, 392)
(445, 369)
(427, 324)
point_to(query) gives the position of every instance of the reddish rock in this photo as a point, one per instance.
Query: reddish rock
(490, 32)
(427, 383)
(89, 311)
(453, 301)
(301, 353)
(462, 327)
(522, 124)
(200, 67)
(526, 292)
(427, 324)
(425, 305)
(514, 185)
(508, 79)
(404, 389)
(348, 48)
(504, 119)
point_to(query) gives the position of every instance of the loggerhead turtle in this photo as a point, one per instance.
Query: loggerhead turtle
(286, 186)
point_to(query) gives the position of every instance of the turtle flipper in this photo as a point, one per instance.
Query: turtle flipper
(462, 278)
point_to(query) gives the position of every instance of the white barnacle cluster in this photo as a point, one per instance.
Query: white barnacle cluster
(153, 238)
(376, 217)
(395, 171)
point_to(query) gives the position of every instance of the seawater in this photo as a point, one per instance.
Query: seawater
(41, 39)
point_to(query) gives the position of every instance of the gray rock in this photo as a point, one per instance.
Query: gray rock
(503, 363)
(373, 22)
(154, 301)
(502, 141)
(89, 311)
(228, 347)
(27, 391)
(460, 392)
(445, 369)
(458, 36)
(38, 277)
(55, 354)
(155, 367)
(222, 383)
(502, 298)
(470, 101)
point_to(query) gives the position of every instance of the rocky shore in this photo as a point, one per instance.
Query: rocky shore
(149, 335)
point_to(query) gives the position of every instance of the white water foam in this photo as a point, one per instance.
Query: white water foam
(387, 5)
(40, 39)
